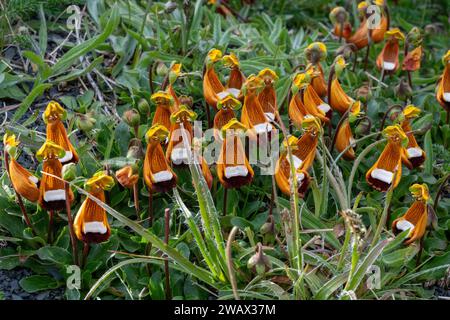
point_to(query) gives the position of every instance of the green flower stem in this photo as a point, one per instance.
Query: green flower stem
(384, 215)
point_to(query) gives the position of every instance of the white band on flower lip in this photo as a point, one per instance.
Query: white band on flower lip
(297, 161)
(414, 152)
(404, 225)
(300, 177)
(236, 171)
(269, 116)
(262, 127)
(446, 96)
(324, 107)
(67, 157)
(94, 227)
(382, 175)
(162, 176)
(234, 92)
(388, 65)
(179, 155)
(352, 142)
(54, 195)
(33, 179)
(223, 94)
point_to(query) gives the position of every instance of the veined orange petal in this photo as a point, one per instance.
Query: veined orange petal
(158, 175)
(412, 60)
(23, 182)
(252, 115)
(176, 152)
(52, 195)
(412, 156)
(387, 170)
(339, 100)
(222, 117)
(315, 105)
(162, 116)
(378, 33)
(268, 100)
(388, 57)
(207, 173)
(306, 149)
(233, 168)
(57, 134)
(345, 33)
(236, 79)
(211, 87)
(344, 138)
(361, 36)
(318, 83)
(297, 110)
(126, 177)
(283, 173)
(91, 223)
(176, 104)
(443, 88)
(417, 216)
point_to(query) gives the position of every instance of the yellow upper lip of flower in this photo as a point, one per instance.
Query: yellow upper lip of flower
(362, 5)
(53, 111)
(100, 180)
(301, 80)
(394, 33)
(158, 132)
(49, 149)
(411, 111)
(176, 68)
(10, 140)
(253, 82)
(269, 73)
(355, 108)
(162, 97)
(318, 45)
(395, 131)
(183, 113)
(340, 61)
(291, 142)
(233, 124)
(420, 191)
(310, 122)
(214, 55)
(230, 60)
(230, 102)
(446, 57)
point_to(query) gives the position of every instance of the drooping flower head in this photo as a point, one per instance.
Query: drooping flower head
(413, 155)
(315, 106)
(227, 107)
(233, 168)
(340, 19)
(339, 100)
(176, 152)
(164, 106)
(127, 176)
(25, 184)
(387, 170)
(387, 60)
(91, 223)
(443, 88)
(52, 190)
(315, 53)
(268, 97)
(237, 78)
(212, 85)
(53, 116)
(415, 218)
(344, 136)
(158, 175)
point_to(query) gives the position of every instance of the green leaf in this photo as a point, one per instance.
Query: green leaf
(428, 145)
(37, 91)
(42, 31)
(38, 283)
(55, 254)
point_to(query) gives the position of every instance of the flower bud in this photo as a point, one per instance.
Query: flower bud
(85, 122)
(127, 176)
(363, 93)
(403, 90)
(143, 106)
(170, 6)
(132, 118)
(259, 263)
(414, 36)
(69, 171)
(363, 127)
(161, 69)
(268, 227)
(186, 100)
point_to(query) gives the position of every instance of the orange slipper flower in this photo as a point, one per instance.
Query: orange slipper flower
(164, 106)
(413, 155)
(315, 105)
(379, 32)
(412, 60)
(268, 98)
(91, 223)
(227, 106)
(237, 78)
(305, 152)
(387, 171)
(344, 136)
(339, 18)
(387, 60)
(315, 53)
(158, 175)
(53, 116)
(339, 100)
(176, 152)
(297, 110)
(212, 85)
(416, 218)
(283, 170)
(127, 176)
(52, 190)
(23, 182)
(174, 73)
(252, 115)
(443, 88)
(233, 168)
